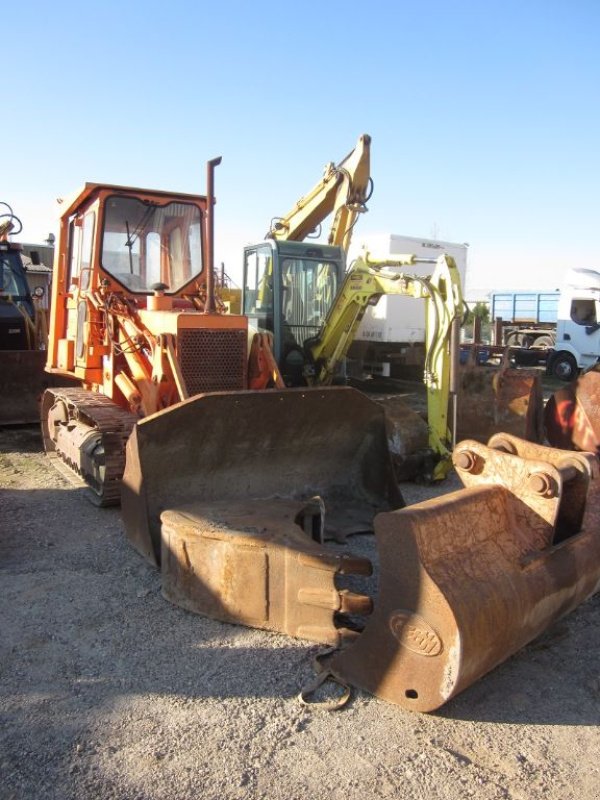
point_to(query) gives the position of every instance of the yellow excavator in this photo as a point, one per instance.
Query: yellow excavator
(302, 292)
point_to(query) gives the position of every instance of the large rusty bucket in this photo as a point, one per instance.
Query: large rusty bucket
(246, 446)
(572, 414)
(469, 578)
(492, 399)
(263, 564)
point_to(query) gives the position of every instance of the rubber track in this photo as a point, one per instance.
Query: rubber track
(114, 424)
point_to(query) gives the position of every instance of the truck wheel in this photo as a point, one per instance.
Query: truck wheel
(543, 342)
(518, 339)
(564, 367)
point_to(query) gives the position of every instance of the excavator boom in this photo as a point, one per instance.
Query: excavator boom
(343, 191)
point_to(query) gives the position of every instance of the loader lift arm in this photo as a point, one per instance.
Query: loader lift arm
(369, 279)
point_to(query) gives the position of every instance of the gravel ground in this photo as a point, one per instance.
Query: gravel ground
(108, 691)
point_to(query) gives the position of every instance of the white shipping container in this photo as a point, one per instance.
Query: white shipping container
(402, 319)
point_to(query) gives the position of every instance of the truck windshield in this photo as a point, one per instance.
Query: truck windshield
(144, 243)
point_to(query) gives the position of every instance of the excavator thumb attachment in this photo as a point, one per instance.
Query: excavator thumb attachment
(572, 414)
(236, 446)
(469, 578)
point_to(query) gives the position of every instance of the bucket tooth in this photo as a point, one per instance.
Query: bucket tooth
(469, 578)
(253, 564)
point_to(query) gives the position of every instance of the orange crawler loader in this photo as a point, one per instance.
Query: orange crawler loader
(136, 320)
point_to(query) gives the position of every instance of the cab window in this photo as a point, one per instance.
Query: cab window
(583, 312)
(87, 245)
(144, 243)
(258, 290)
(74, 242)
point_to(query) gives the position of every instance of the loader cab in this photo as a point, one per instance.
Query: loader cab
(117, 245)
(131, 239)
(16, 305)
(289, 288)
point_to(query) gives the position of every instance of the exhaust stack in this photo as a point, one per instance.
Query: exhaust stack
(210, 307)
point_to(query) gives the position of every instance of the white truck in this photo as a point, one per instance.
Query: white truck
(528, 318)
(391, 338)
(562, 329)
(578, 325)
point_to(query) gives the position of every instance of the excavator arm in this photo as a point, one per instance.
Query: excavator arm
(343, 190)
(364, 284)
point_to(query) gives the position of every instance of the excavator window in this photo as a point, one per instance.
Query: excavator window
(152, 258)
(144, 242)
(258, 294)
(74, 241)
(178, 266)
(309, 288)
(81, 249)
(291, 300)
(10, 281)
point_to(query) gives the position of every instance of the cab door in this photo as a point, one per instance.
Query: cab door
(583, 332)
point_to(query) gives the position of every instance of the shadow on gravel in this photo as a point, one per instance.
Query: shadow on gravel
(553, 681)
(85, 625)
(21, 438)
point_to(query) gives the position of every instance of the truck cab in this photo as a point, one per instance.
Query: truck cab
(578, 325)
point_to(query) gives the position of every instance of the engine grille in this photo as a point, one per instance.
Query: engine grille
(212, 360)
